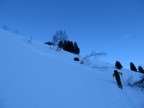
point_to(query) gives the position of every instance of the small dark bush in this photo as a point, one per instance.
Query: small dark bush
(76, 59)
(141, 70)
(132, 67)
(118, 65)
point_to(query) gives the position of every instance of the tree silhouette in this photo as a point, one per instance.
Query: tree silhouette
(141, 70)
(132, 67)
(76, 48)
(118, 65)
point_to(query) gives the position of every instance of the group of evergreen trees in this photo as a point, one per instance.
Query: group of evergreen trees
(132, 67)
(69, 46)
(60, 39)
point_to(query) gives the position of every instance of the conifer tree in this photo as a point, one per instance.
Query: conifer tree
(76, 48)
(141, 70)
(65, 45)
(60, 45)
(70, 46)
(132, 67)
(118, 65)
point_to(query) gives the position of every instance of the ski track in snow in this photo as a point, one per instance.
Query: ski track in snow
(130, 100)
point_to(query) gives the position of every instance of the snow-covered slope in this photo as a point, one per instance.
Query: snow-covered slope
(35, 76)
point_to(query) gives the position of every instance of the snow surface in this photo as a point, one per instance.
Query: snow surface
(36, 76)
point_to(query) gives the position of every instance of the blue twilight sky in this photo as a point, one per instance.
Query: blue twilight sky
(113, 26)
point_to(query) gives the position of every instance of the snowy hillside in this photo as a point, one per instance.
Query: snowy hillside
(35, 76)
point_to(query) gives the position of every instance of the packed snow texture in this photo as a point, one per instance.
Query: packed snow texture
(33, 75)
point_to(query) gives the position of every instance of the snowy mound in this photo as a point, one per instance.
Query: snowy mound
(34, 76)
